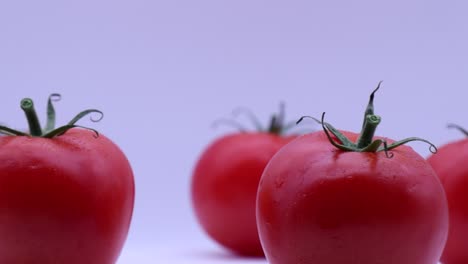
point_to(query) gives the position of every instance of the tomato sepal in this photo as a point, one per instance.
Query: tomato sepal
(277, 125)
(365, 141)
(49, 131)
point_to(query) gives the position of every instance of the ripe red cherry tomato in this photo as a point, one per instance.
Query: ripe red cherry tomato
(450, 165)
(66, 194)
(367, 202)
(225, 182)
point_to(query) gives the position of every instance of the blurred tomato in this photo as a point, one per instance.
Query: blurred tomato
(450, 164)
(225, 182)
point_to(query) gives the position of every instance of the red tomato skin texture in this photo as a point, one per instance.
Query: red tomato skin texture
(224, 188)
(317, 204)
(63, 200)
(450, 164)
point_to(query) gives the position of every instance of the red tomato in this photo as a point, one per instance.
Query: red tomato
(449, 165)
(64, 199)
(355, 204)
(224, 186)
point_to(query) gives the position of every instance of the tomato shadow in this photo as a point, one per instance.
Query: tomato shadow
(222, 255)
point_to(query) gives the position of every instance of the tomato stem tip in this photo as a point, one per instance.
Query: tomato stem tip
(27, 105)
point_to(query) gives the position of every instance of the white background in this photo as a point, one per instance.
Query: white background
(163, 71)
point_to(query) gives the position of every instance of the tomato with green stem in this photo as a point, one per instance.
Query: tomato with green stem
(450, 165)
(334, 197)
(225, 181)
(66, 193)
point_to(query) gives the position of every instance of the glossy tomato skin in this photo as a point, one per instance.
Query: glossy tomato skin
(317, 204)
(63, 200)
(450, 164)
(224, 187)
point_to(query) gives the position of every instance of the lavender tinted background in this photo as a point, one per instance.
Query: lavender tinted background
(162, 71)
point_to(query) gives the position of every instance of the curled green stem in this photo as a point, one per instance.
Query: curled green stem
(49, 130)
(277, 124)
(365, 141)
(370, 105)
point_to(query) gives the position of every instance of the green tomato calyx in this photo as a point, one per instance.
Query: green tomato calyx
(49, 131)
(365, 141)
(277, 125)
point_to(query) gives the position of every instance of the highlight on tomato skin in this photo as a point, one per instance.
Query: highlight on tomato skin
(225, 181)
(450, 165)
(66, 194)
(334, 197)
